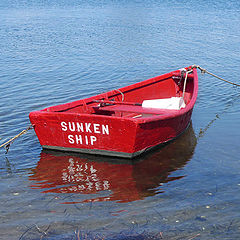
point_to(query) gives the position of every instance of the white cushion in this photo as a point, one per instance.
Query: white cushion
(175, 103)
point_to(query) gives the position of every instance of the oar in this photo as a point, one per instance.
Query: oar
(117, 102)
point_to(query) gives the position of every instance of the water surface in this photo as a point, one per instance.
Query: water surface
(52, 52)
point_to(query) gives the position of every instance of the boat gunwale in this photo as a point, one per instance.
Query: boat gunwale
(168, 115)
(101, 96)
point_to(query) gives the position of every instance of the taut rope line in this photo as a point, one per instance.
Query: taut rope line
(9, 142)
(185, 82)
(205, 71)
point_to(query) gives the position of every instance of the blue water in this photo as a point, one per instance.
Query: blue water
(52, 52)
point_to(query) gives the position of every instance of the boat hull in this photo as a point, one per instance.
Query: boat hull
(112, 137)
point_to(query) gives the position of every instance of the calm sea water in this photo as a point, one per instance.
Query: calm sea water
(53, 52)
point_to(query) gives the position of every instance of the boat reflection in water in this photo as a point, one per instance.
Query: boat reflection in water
(125, 180)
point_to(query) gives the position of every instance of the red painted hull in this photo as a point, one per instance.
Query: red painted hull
(122, 128)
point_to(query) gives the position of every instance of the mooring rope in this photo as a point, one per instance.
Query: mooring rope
(205, 71)
(120, 93)
(7, 144)
(185, 82)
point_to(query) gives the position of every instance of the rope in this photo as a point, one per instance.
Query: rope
(7, 144)
(121, 94)
(205, 71)
(185, 82)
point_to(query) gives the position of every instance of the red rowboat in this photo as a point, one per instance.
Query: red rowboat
(123, 122)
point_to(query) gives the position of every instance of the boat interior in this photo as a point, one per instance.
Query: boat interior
(156, 96)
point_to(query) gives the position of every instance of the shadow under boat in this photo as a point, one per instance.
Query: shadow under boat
(125, 180)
